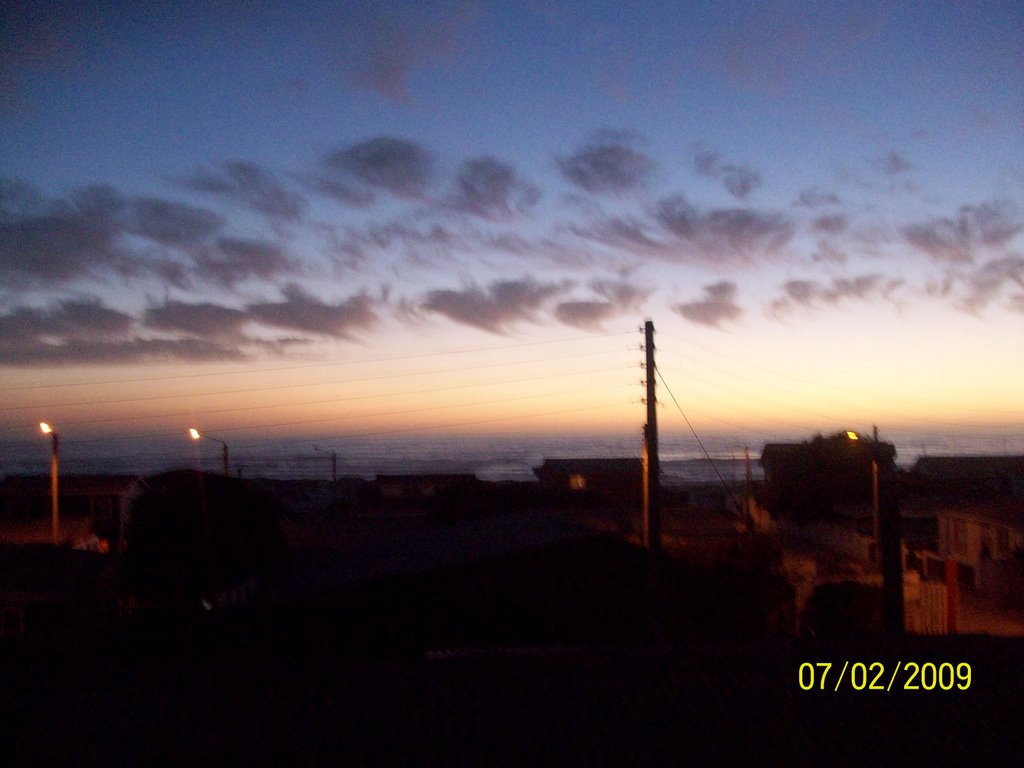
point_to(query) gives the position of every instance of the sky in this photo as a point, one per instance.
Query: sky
(325, 219)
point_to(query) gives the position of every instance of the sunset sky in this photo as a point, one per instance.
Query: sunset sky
(326, 219)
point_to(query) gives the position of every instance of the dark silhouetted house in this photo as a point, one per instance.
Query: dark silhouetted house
(421, 487)
(807, 480)
(448, 496)
(618, 479)
(93, 509)
(48, 590)
(978, 502)
(201, 540)
(986, 537)
(1002, 475)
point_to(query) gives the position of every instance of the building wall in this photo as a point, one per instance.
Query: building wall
(965, 539)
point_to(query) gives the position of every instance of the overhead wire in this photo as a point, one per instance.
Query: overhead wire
(332, 401)
(859, 393)
(697, 438)
(302, 385)
(819, 415)
(323, 364)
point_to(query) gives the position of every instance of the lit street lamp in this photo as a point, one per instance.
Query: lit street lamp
(195, 434)
(46, 429)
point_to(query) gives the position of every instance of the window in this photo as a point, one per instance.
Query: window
(577, 483)
(959, 536)
(1003, 539)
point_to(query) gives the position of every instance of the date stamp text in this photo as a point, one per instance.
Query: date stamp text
(876, 676)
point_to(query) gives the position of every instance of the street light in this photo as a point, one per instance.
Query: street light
(334, 462)
(46, 429)
(195, 434)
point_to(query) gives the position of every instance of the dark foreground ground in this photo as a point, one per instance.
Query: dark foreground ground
(729, 703)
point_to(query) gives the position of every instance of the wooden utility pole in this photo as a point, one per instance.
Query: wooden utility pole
(54, 490)
(652, 469)
(890, 541)
(748, 484)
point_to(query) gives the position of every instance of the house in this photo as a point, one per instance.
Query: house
(94, 509)
(53, 590)
(978, 502)
(1002, 475)
(420, 487)
(986, 538)
(616, 479)
(807, 480)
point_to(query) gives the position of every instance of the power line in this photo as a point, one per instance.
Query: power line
(699, 441)
(330, 401)
(303, 366)
(890, 416)
(303, 385)
(790, 377)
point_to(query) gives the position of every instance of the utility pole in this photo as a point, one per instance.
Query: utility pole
(651, 464)
(890, 542)
(651, 533)
(748, 483)
(874, 489)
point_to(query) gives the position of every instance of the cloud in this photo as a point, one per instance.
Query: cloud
(342, 192)
(58, 240)
(379, 45)
(831, 224)
(717, 307)
(812, 293)
(68, 319)
(828, 252)
(617, 297)
(957, 240)
(893, 164)
(587, 315)
(254, 187)
(173, 223)
(815, 198)
(94, 232)
(607, 167)
(400, 167)
(301, 312)
(138, 350)
(623, 232)
(85, 332)
(739, 180)
(235, 260)
(420, 244)
(200, 319)
(986, 284)
(491, 189)
(725, 234)
(493, 308)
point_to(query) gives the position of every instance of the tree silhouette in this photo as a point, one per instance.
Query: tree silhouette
(192, 535)
(810, 479)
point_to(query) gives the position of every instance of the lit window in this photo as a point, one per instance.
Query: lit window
(577, 483)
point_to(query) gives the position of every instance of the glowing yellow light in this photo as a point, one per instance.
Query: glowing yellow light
(853, 435)
(194, 433)
(45, 428)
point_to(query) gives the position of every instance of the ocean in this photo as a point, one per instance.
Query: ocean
(489, 457)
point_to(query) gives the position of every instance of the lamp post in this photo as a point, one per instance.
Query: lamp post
(334, 462)
(46, 429)
(195, 434)
(334, 473)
